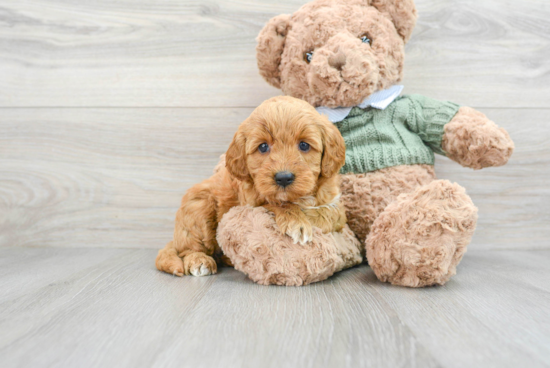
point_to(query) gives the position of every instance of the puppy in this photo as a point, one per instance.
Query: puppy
(285, 157)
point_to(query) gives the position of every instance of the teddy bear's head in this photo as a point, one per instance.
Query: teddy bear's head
(336, 52)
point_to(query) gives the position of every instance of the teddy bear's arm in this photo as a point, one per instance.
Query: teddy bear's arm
(474, 141)
(461, 133)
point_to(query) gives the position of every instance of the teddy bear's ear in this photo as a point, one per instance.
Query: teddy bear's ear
(271, 42)
(401, 12)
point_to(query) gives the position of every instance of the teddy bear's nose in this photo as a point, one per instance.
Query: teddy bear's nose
(337, 60)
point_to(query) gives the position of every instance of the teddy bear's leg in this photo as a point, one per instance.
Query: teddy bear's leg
(365, 196)
(420, 238)
(255, 245)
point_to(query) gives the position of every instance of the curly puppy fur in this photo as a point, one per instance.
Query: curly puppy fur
(252, 240)
(343, 70)
(421, 236)
(247, 178)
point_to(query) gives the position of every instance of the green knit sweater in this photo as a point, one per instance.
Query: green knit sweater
(408, 131)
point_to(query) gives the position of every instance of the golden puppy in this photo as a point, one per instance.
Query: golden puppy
(285, 157)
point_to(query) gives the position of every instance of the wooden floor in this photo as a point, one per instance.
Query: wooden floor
(111, 308)
(111, 110)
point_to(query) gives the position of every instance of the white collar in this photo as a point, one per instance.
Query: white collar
(379, 100)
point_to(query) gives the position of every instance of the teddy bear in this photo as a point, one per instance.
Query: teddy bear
(346, 57)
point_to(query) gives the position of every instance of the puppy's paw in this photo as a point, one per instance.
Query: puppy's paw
(201, 270)
(293, 222)
(199, 264)
(169, 262)
(300, 232)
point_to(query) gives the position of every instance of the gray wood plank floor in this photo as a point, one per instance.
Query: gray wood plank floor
(111, 307)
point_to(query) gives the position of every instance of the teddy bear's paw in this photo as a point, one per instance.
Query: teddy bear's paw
(420, 238)
(474, 141)
(257, 247)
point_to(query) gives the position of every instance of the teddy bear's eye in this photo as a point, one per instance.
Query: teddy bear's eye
(308, 56)
(366, 39)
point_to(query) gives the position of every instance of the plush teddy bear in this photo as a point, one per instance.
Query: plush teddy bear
(345, 57)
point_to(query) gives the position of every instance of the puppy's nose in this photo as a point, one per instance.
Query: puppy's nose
(284, 178)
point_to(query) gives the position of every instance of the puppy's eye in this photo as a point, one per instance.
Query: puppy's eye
(308, 56)
(303, 146)
(366, 39)
(263, 148)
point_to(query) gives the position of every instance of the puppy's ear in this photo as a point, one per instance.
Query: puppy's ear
(235, 157)
(334, 149)
(271, 43)
(401, 12)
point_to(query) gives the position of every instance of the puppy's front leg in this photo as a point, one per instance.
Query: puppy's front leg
(330, 218)
(191, 251)
(292, 222)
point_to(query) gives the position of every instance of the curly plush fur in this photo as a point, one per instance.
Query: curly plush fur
(420, 237)
(415, 228)
(474, 141)
(343, 70)
(251, 238)
(365, 196)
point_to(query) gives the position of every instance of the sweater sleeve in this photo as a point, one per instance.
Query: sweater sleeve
(427, 118)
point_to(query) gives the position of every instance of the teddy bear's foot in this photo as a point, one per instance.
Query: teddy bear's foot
(420, 238)
(251, 239)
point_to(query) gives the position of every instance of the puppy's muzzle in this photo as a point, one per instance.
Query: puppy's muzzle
(284, 178)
